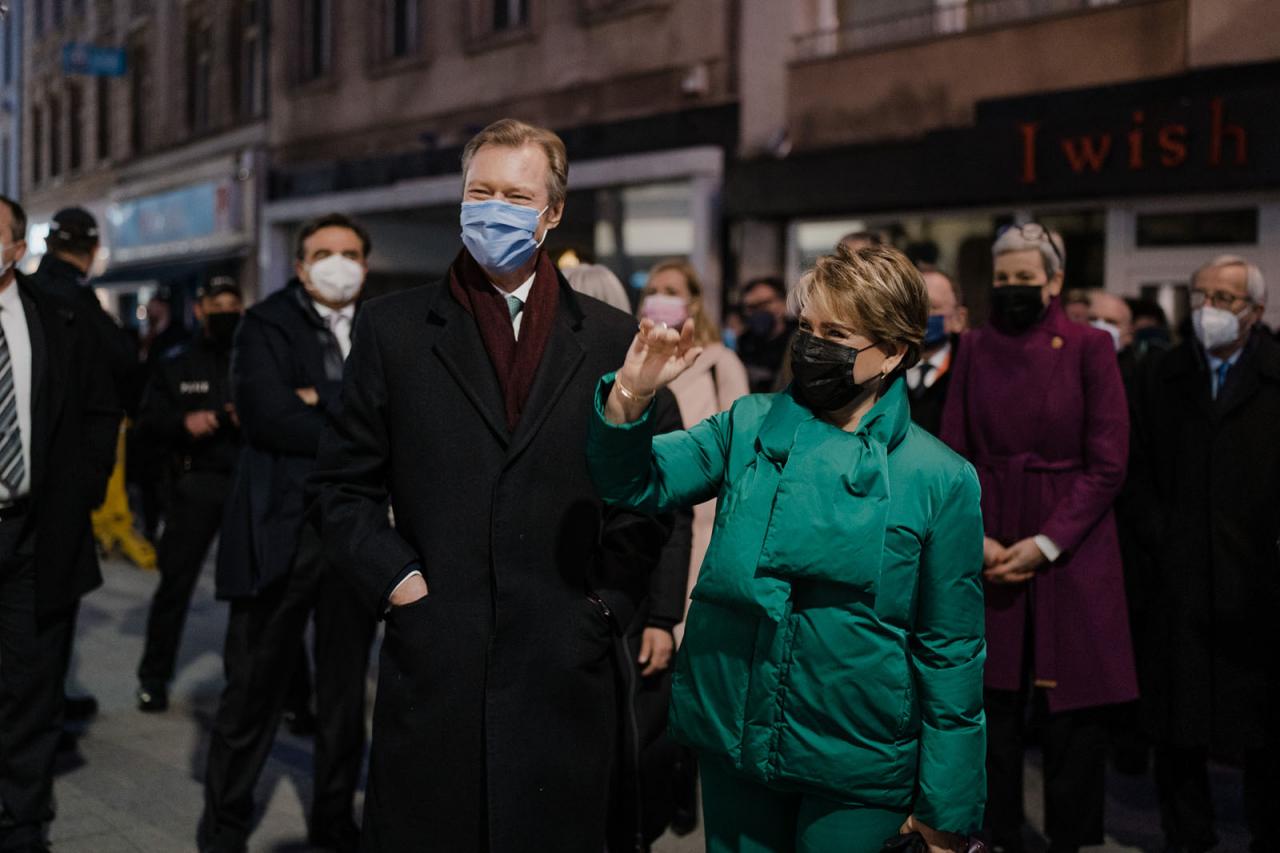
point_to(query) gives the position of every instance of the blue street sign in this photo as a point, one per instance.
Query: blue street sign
(93, 60)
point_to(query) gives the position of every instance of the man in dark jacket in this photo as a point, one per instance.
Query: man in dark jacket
(58, 423)
(72, 246)
(286, 377)
(928, 381)
(763, 345)
(1206, 458)
(466, 406)
(187, 411)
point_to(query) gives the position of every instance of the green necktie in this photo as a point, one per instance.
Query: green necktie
(515, 306)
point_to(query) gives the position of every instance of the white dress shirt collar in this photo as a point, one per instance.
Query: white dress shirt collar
(522, 293)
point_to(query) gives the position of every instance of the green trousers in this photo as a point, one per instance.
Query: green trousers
(742, 816)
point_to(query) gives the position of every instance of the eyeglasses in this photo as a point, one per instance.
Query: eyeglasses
(1219, 299)
(1035, 233)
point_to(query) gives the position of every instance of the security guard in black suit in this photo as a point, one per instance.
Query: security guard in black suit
(187, 409)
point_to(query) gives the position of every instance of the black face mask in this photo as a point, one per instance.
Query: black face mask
(221, 327)
(761, 323)
(823, 372)
(1016, 307)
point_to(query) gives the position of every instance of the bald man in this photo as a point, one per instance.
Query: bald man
(1112, 314)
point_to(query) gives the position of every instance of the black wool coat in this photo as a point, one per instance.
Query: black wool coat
(63, 280)
(496, 721)
(282, 345)
(74, 423)
(1207, 479)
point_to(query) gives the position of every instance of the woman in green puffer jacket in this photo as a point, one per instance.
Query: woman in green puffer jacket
(831, 672)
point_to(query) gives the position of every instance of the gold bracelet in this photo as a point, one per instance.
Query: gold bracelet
(629, 394)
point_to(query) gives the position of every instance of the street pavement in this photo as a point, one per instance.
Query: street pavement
(133, 782)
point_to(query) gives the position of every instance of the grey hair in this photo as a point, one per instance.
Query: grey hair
(1013, 240)
(1253, 276)
(598, 281)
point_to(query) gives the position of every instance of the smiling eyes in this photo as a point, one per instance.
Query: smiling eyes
(514, 196)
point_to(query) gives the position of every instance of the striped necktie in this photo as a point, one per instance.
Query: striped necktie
(12, 465)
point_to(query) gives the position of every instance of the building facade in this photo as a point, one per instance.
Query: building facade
(11, 102)
(1139, 128)
(151, 114)
(644, 92)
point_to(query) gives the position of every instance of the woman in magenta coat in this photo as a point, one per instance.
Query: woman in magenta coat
(1037, 405)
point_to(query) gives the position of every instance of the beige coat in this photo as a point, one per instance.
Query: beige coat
(711, 386)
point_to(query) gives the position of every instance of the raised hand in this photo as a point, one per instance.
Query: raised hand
(657, 356)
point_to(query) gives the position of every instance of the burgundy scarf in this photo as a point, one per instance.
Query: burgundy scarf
(514, 362)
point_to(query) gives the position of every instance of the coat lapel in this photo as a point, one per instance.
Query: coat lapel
(560, 362)
(1256, 364)
(461, 349)
(42, 414)
(1047, 346)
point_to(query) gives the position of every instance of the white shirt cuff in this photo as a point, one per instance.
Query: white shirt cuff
(414, 573)
(1051, 551)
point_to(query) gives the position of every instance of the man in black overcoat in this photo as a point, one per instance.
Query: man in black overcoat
(465, 405)
(58, 422)
(1208, 477)
(286, 377)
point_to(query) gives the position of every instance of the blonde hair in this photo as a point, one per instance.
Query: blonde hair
(704, 331)
(598, 282)
(877, 290)
(513, 133)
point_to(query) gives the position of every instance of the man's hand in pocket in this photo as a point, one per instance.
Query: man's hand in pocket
(410, 590)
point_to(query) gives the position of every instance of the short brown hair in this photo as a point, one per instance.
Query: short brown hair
(876, 289)
(703, 329)
(513, 133)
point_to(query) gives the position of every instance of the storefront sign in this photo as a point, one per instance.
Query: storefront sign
(1166, 145)
(1206, 131)
(176, 222)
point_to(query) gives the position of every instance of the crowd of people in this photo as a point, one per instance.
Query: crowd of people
(840, 561)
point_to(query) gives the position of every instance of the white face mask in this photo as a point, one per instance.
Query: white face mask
(1215, 327)
(336, 279)
(1110, 328)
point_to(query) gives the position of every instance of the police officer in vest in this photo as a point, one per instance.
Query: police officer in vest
(187, 409)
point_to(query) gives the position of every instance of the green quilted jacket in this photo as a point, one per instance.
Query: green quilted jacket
(834, 645)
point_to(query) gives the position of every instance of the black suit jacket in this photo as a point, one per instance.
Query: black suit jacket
(282, 345)
(74, 424)
(927, 403)
(497, 699)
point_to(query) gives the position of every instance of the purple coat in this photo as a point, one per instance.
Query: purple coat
(1043, 417)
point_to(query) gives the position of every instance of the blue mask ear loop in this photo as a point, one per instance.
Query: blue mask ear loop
(544, 233)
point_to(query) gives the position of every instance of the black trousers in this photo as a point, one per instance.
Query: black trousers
(33, 663)
(1075, 755)
(1186, 805)
(194, 517)
(259, 658)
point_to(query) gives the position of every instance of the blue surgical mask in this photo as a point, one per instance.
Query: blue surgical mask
(936, 330)
(500, 235)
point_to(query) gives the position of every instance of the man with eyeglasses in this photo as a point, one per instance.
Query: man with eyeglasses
(1206, 463)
